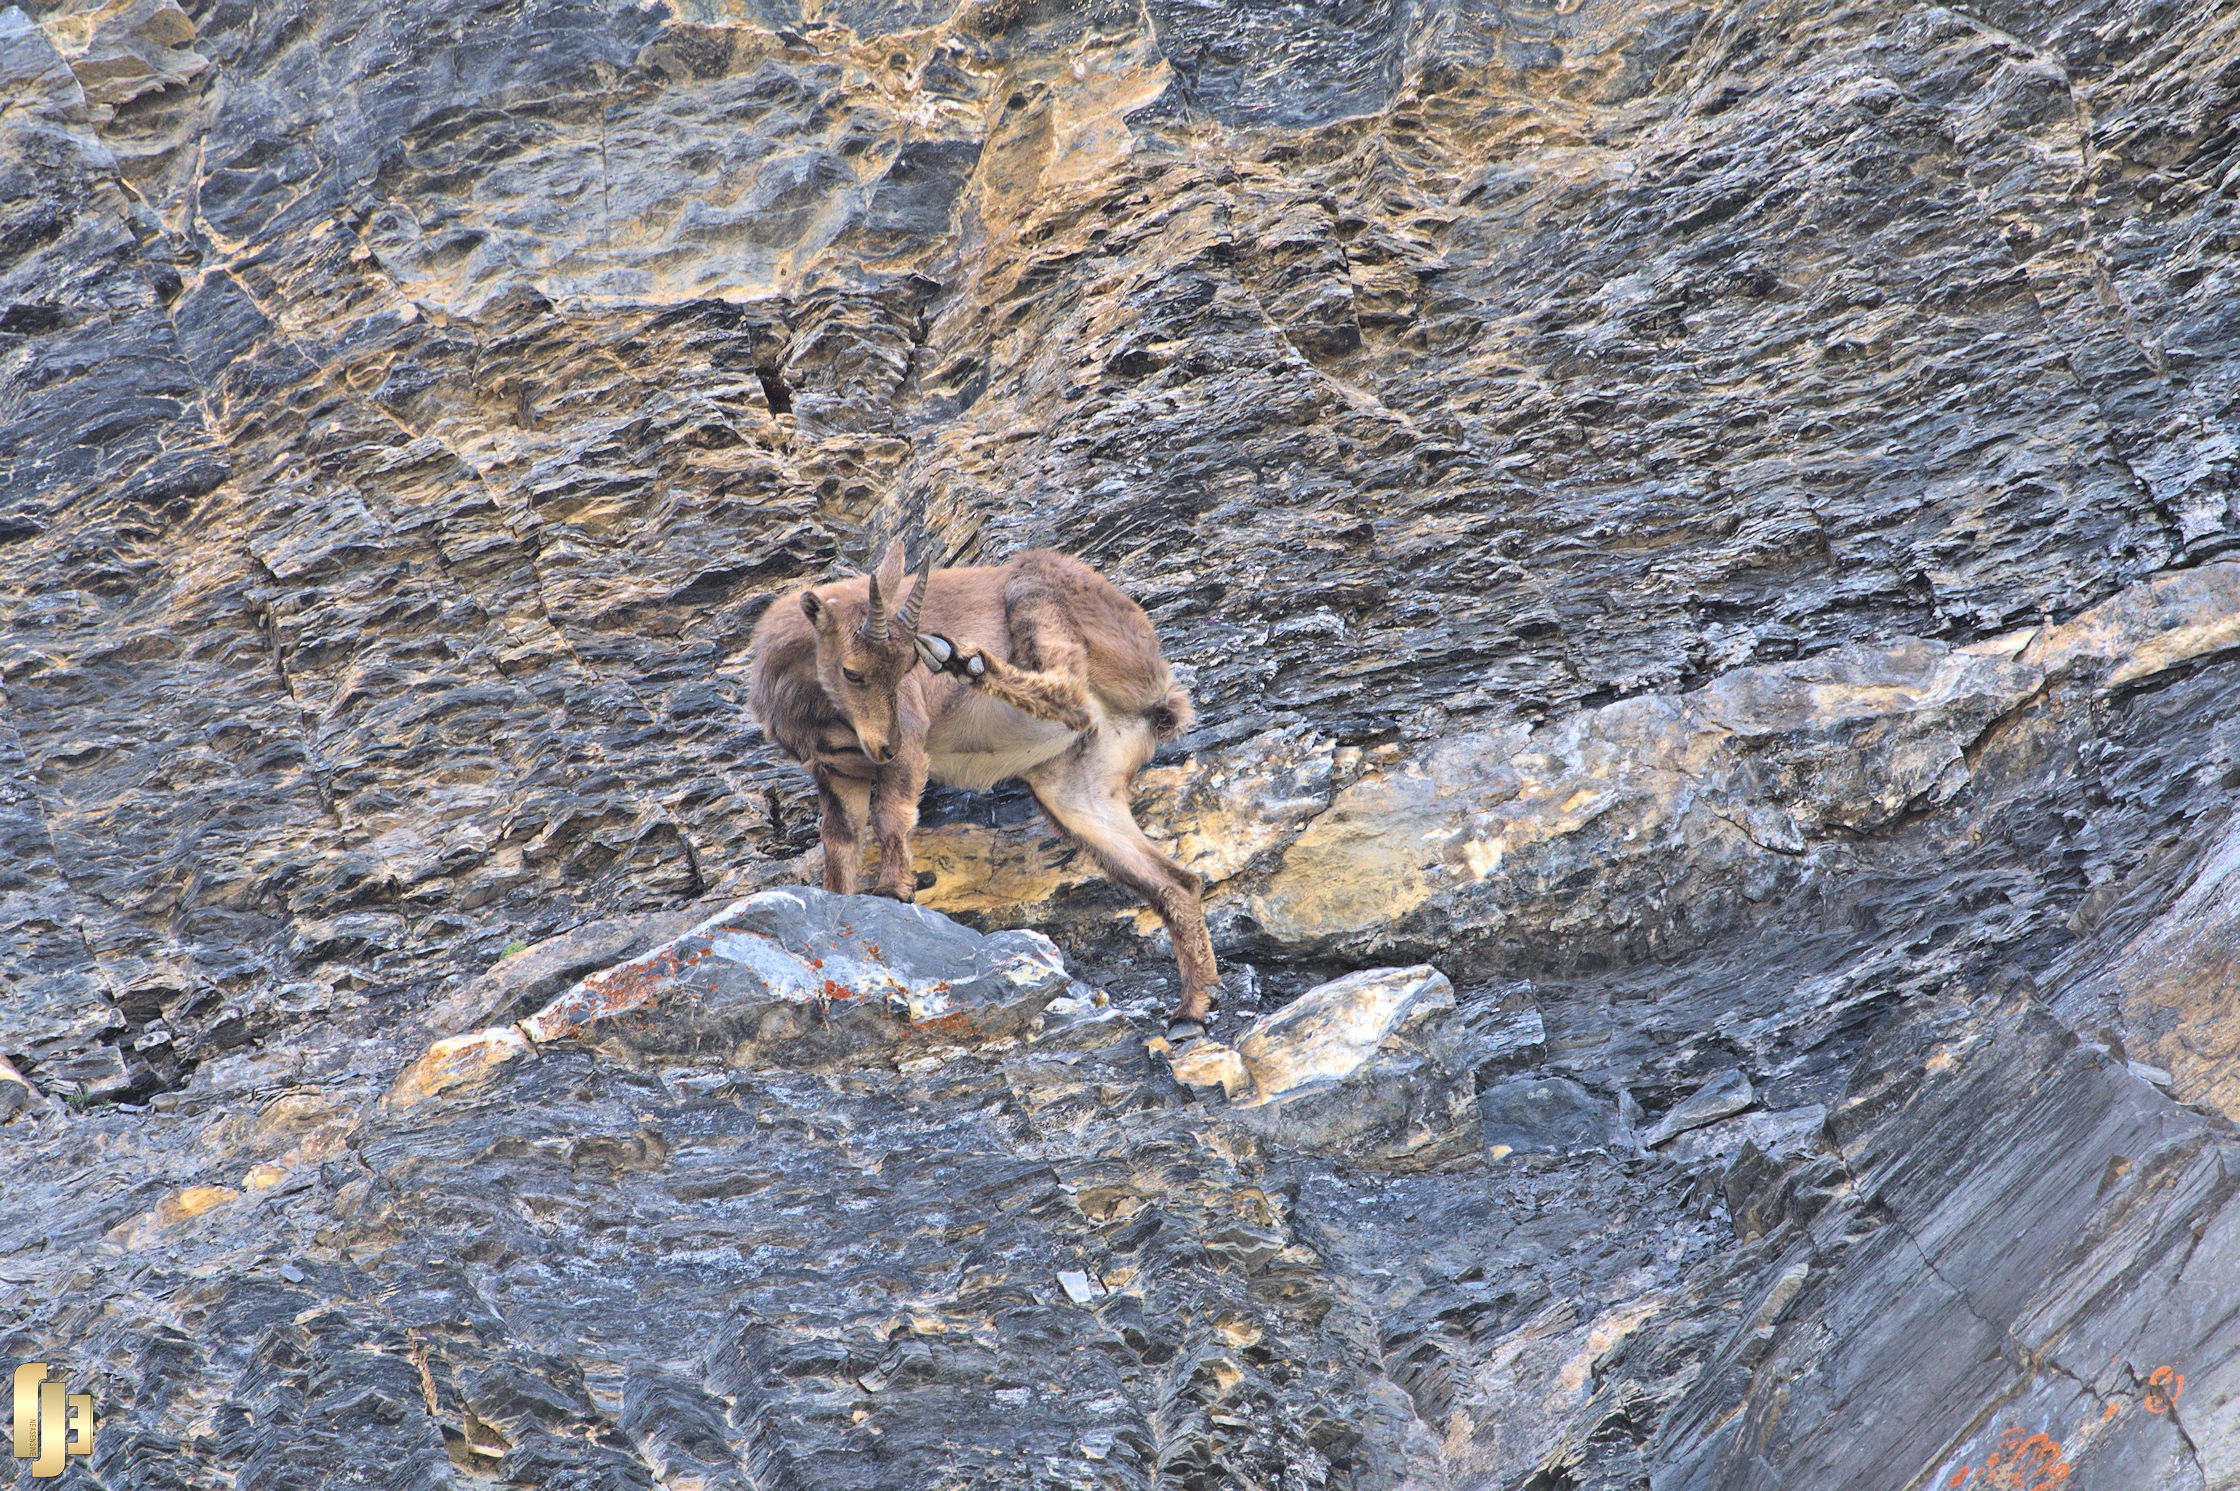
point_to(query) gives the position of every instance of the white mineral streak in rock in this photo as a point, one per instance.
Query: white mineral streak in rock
(788, 976)
(1080, 1287)
(1331, 1032)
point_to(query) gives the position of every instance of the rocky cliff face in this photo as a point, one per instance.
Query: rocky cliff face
(1701, 534)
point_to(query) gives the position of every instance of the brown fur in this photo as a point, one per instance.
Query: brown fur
(1048, 674)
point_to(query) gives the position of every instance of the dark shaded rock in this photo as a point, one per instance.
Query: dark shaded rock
(1545, 1115)
(1909, 1284)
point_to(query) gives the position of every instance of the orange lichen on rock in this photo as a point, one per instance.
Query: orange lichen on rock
(957, 1023)
(2025, 1462)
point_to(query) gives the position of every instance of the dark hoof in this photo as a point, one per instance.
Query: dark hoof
(1185, 1030)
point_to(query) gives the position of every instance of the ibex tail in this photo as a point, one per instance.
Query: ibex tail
(1171, 715)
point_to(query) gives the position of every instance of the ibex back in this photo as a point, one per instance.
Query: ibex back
(1039, 669)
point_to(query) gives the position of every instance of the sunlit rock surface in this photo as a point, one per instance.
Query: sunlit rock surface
(1374, 1069)
(1708, 526)
(792, 978)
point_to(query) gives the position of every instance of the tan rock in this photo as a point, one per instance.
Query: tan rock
(265, 1177)
(128, 47)
(1208, 1064)
(458, 1062)
(1371, 1068)
(192, 1202)
(2148, 628)
(2175, 986)
(1752, 766)
(1216, 814)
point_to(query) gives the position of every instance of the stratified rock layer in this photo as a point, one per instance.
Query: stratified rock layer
(1702, 537)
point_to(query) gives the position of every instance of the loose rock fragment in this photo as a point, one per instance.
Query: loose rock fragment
(1373, 1068)
(1729, 1092)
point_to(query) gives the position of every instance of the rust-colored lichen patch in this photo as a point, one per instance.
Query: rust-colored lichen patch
(2023, 1461)
(958, 1024)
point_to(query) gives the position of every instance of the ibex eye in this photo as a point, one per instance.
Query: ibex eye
(851, 675)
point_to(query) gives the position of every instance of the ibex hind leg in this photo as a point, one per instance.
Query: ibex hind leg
(846, 803)
(1085, 793)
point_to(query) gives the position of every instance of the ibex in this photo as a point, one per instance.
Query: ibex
(1038, 669)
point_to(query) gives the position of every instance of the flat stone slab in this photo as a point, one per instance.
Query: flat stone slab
(794, 978)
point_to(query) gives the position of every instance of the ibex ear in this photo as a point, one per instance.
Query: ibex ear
(890, 569)
(819, 614)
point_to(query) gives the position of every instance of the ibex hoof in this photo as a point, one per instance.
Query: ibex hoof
(904, 894)
(944, 656)
(1185, 1030)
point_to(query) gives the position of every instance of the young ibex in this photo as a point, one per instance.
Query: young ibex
(1038, 669)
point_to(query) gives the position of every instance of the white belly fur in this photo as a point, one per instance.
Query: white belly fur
(984, 741)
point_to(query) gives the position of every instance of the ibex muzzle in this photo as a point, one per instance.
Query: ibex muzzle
(1040, 669)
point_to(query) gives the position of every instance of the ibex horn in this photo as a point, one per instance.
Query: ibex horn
(874, 619)
(907, 618)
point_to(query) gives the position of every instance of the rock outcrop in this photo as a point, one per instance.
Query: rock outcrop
(1703, 539)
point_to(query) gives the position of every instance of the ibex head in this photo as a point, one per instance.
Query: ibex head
(864, 651)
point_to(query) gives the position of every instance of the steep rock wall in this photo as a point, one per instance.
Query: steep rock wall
(1708, 523)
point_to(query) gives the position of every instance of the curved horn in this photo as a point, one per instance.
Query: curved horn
(905, 624)
(875, 619)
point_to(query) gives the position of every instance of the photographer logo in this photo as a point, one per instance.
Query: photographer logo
(50, 1422)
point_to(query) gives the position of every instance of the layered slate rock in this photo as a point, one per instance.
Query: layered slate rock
(1937, 1238)
(1710, 525)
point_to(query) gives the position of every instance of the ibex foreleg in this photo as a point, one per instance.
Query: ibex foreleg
(894, 813)
(845, 802)
(1058, 695)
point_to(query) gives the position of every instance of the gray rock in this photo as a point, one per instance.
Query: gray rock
(803, 977)
(798, 978)
(521, 982)
(1728, 1092)
(1724, 513)
(1544, 1115)
(1373, 1069)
